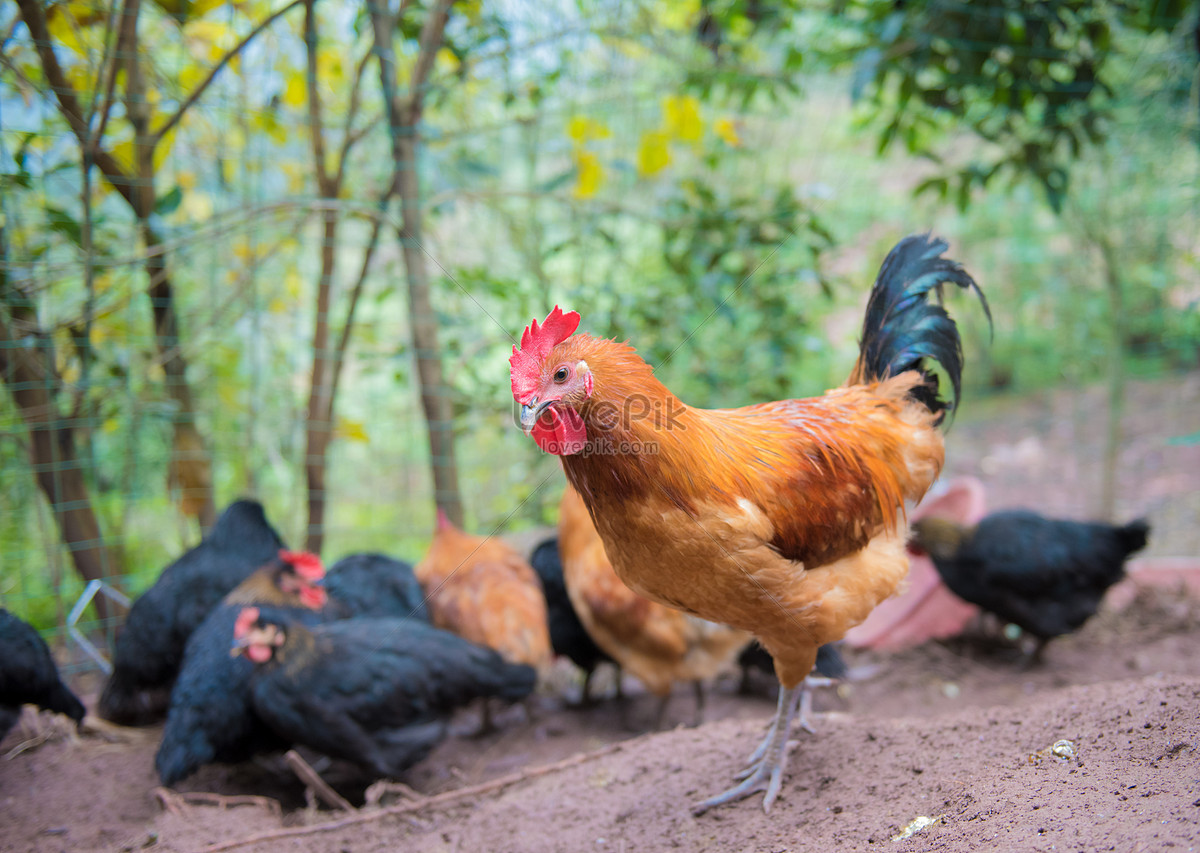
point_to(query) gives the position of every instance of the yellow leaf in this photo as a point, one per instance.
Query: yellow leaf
(292, 283)
(186, 179)
(653, 153)
(203, 7)
(331, 69)
(681, 117)
(295, 93)
(726, 128)
(66, 23)
(208, 40)
(111, 425)
(577, 129)
(228, 170)
(295, 176)
(447, 61)
(190, 77)
(122, 152)
(591, 175)
(350, 430)
(679, 15)
(582, 128)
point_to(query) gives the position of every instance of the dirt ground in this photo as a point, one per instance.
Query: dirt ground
(956, 733)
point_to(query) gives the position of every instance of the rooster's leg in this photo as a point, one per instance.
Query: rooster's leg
(766, 771)
(806, 694)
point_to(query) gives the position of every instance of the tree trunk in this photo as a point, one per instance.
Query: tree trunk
(435, 396)
(403, 124)
(29, 374)
(190, 468)
(319, 427)
(191, 463)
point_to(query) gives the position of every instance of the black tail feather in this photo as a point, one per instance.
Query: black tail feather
(902, 327)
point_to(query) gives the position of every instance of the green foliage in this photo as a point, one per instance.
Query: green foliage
(1036, 79)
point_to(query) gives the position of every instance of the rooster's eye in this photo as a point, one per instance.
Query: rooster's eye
(560, 375)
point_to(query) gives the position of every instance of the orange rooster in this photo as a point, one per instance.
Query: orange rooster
(658, 645)
(783, 519)
(484, 591)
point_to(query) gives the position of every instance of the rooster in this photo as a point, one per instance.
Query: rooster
(783, 519)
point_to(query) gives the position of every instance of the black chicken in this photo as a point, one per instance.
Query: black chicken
(568, 637)
(374, 585)
(1045, 575)
(28, 675)
(211, 717)
(150, 646)
(376, 692)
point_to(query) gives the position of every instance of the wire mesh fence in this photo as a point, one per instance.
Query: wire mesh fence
(565, 159)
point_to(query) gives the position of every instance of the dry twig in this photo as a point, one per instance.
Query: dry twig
(177, 803)
(316, 784)
(426, 802)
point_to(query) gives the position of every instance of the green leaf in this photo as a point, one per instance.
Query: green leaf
(169, 203)
(63, 223)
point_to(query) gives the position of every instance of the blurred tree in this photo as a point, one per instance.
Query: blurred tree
(121, 75)
(328, 358)
(404, 113)
(28, 368)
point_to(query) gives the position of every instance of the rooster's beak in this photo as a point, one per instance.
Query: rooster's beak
(532, 411)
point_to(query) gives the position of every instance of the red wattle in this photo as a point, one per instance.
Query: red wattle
(562, 433)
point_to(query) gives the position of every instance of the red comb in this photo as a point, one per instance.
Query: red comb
(536, 342)
(307, 565)
(245, 620)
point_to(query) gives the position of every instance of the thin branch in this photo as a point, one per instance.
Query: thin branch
(34, 14)
(112, 62)
(343, 344)
(313, 780)
(316, 129)
(216, 69)
(432, 801)
(350, 137)
(427, 47)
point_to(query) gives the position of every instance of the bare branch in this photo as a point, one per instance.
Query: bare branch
(34, 14)
(427, 47)
(350, 137)
(216, 69)
(316, 129)
(339, 354)
(112, 62)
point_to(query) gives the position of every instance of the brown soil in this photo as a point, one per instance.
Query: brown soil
(958, 732)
